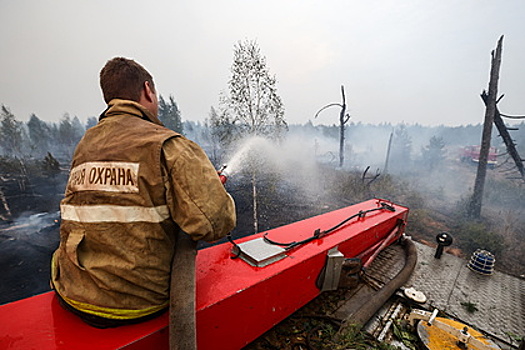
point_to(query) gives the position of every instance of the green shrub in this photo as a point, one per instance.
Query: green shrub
(474, 235)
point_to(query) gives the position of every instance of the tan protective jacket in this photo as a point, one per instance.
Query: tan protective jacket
(132, 184)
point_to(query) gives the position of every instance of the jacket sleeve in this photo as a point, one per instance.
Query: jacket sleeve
(197, 200)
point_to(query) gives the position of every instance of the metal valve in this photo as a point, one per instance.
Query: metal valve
(444, 239)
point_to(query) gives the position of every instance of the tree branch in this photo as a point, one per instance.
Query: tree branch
(512, 116)
(327, 106)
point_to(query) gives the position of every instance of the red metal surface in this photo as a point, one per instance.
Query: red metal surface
(236, 302)
(40, 323)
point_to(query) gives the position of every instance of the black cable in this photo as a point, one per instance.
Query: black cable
(318, 233)
(239, 251)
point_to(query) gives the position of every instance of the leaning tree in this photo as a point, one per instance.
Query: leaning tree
(474, 210)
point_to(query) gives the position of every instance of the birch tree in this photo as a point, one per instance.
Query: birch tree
(252, 104)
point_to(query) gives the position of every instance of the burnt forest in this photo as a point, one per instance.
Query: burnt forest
(276, 182)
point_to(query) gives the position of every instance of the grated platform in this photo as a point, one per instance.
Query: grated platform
(497, 302)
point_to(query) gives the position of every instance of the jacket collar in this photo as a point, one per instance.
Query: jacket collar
(120, 107)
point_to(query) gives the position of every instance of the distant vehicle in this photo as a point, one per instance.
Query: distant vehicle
(471, 154)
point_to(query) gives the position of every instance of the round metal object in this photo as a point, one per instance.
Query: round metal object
(444, 239)
(436, 336)
(417, 296)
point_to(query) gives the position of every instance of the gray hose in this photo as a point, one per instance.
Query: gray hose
(182, 329)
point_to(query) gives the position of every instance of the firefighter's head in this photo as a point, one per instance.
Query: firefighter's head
(125, 79)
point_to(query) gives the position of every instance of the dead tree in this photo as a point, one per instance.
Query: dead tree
(387, 160)
(505, 135)
(343, 119)
(490, 110)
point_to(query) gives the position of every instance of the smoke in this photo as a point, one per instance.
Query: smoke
(295, 158)
(301, 159)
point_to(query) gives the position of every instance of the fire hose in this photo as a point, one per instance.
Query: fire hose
(182, 330)
(182, 314)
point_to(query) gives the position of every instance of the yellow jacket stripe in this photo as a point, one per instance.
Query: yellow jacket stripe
(118, 314)
(106, 312)
(113, 213)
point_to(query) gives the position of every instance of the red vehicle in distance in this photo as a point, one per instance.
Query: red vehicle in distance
(471, 154)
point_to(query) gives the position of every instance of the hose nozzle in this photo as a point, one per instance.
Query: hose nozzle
(223, 176)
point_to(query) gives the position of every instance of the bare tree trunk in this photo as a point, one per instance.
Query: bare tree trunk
(343, 119)
(490, 111)
(342, 122)
(388, 152)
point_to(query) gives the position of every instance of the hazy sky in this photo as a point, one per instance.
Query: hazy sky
(400, 61)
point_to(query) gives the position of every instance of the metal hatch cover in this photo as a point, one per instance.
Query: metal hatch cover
(259, 253)
(448, 334)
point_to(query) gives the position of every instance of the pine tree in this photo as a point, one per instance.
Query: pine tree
(39, 135)
(433, 153)
(70, 131)
(10, 133)
(91, 122)
(77, 129)
(401, 150)
(169, 114)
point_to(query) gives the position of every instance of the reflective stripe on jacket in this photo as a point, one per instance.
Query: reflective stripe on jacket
(121, 210)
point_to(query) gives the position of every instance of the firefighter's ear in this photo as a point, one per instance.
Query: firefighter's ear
(148, 98)
(149, 92)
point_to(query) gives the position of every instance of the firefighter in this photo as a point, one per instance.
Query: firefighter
(133, 185)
